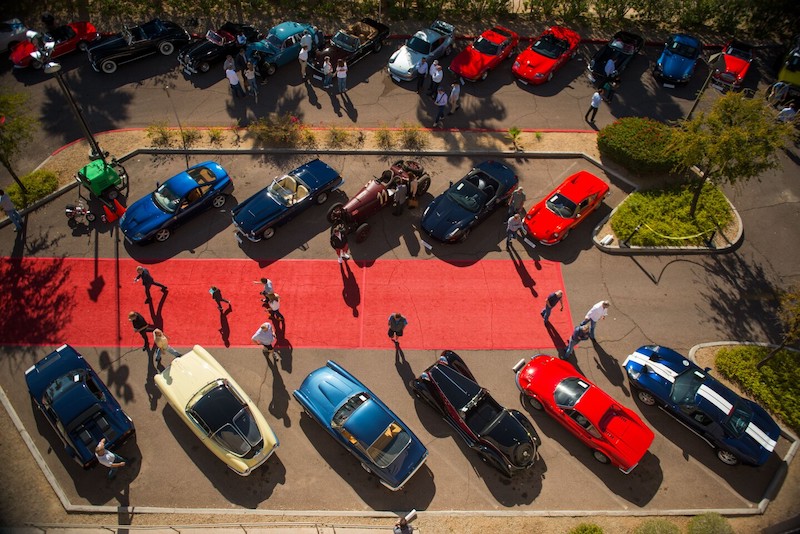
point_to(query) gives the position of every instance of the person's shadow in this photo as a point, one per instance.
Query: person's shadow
(153, 393)
(225, 327)
(155, 312)
(403, 367)
(349, 108)
(312, 94)
(558, 341)
(350, 290)
(279, 405)
(524, 276)
(286, 351)
(337, 107)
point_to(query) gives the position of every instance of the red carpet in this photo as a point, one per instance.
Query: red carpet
(489, 304)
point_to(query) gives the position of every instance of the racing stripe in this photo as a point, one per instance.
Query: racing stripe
(761, 437)
(659, 368)
(716, 399)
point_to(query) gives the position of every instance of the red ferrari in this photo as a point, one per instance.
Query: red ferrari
(66, 39)
(493, 46)
(551, 219)
(551, 50)
(615, 434)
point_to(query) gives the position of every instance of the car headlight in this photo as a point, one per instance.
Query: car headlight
(633, 373)
(516, 64)
(538, 75)
(138, 236)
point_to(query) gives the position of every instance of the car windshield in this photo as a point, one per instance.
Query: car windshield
(280, 191)
(345, 41)
(561, 206)
(569, 391)
(793, 63)
(486, 47)
(467, 196)
(225, 417)
(239, 436)
(739, 419)
(64, 383)
(622, 46)
(215, 38)
(684, 389)
(389, 445)
(550, 46)
(166, 199)
(418, 45)
(274, 40)
(347, 409)
(733, 50)
(682, 49)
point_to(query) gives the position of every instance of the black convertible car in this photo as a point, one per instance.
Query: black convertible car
(621, 49)
(156, 36)
(200, 55)
(503, 438)
(351, 44)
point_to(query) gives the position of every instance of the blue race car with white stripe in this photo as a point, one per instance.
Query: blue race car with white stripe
(739, 429)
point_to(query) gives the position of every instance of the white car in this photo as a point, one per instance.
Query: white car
(430, 43)
(217, 410)
(12, 32)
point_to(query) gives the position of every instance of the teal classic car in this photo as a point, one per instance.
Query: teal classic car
(281, 46)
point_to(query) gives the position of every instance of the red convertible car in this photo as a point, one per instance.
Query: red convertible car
(551, 219)
(615, 434)
(66, 39)
(731, 69)
(548, 53)
(493, 46)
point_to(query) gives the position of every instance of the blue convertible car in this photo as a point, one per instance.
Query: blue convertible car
(77, 404)
(361, 423)
(176, 201)
(739, 429)
(678, 60)
(280, 46)
(286, 197)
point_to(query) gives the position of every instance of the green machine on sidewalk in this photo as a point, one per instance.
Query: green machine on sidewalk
(103, 180)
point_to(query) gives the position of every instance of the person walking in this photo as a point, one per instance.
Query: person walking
(402, 527)
(141, 326)
(422, 72)
(455, 95)
(441, 104)
(437, 74)
(788, 113)
(216, 294)
(8, 206)
(516, 202)
(148, 281)
(396, 325)
(229, 63)
(341, 75)
(306, 40)
(552, 299)
(302, 57)
(233, 79)
(161, 341)
(241, 38)
(339, 242)
(274, 307)
(265, 336)
(109, 459)
(327, 71)
(268, 288)
(596, 313)
(513, 226)
(250, 78)
(581, 333)
(597, 97)
(400, 197)
(240, 61)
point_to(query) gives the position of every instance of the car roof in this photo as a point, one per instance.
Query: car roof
(287, 29)
(368, 421)
(218, 406)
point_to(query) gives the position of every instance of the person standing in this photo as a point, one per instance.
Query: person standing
(402, 527)
(610, 68)
(597, 312)
(268, 288)
(216, 294)
(437, 74)
(274, 305)
(305, 40)
(233, 79)
(240, 61)
(552, 299)
(516, 202)
(250, 78)
(597, 97)
(327, 71)
(108, 459)
(161, 341)
(788, 113)
(148, 281)
(339, 242)
(422, 72)
(341, 75)
(441, 104)
(400, 197)
(396, 325)
(265, 336)
(229, 63)
(302, 57)
(8, 206)
(241, 38)
(141, 326)
(513, 227)
(581, 333)
(455, 95)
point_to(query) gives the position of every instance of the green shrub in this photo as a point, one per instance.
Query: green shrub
(664, 216)
(160, 134)
(384, 138)
(413, 138)
(774, 386)
(657, 526)
(38, 183)
(513, 135)
(338, 138)
(586, 528)
(190, 136)
(215, 136)
(308, 138)
(638, 144)
(276, 129)
(710, 523)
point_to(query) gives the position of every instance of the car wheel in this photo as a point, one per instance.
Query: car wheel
(484, 75)
(646, 398)
(532, 402)
(112, 194)
(268, 233)
(377, 46)
(205, 66)
(727, 457)
(448, 50)
(166, 48)
(336, 213)
(108, 67)
(321, 198)
(163, 234)
(523, 454)
(270, 69)
(36, 64)
(366, 468)
(362, 232)
(423, 185)
(90, 216)
(219, 201)
(600, 457)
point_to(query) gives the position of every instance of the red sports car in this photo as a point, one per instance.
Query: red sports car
(67, 38)
(493, 46)
(731, 69)
(548, 53)
(615, 434)
(551, 219)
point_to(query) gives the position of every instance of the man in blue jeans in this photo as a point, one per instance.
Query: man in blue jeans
(581, 333)
(8, 206)
(109, 459)
(552, 299)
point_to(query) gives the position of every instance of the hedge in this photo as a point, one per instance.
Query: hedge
(638, 144)
(38, 183)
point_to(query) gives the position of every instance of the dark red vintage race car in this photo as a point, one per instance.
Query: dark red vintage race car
(377, 194)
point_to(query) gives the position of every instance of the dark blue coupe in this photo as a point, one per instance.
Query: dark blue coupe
(739, 429)
(451, 215)
(176, 201)
(678, 60)
(77, 404)
(286, 197)
(362, 424)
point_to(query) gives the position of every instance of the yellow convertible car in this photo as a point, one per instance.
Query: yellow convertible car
(213, 405)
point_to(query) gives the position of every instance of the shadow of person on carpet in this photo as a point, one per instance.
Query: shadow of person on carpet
(279, 405)
(225, 327)
(350, 290)
(558, 341)
(524, 276)
(155, 313)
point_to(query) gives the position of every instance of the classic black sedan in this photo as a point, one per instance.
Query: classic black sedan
(621, 49)
(286, 197)
(503, 438)
(351, 44)
(200, 55)
(156, 36)
(451, 215)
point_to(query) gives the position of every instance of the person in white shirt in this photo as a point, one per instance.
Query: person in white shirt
(303, 59)
(455, 94)
(788, 113)
(341, 75)
(422, 72)
(265, 336)
(327, 70)
(610, 68)
(108, 459)
(597, 312)
(441, 103)
(597, 97)
(306, 40)
(437, 74)
(233, 79)
(513, 227)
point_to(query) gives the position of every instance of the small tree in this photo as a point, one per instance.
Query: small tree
(789, 316)
(733, 143)
(16, 131)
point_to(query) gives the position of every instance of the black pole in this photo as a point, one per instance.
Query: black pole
(96, 153)
(180, 127)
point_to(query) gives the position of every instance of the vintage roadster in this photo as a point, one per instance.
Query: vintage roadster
(377, 194)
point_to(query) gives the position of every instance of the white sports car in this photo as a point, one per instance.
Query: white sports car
(430, 43)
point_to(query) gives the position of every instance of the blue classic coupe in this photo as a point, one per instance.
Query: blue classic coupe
(451, 215)
(739, 429)
(174, 202)
(77, 404)
(286, 197)
(362, 424)
(678, 60)
(280, 46)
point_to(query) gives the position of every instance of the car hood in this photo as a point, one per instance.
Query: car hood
(199, 49)
(187, 375)
(256, 211)
(470, 63)
(142, 217)
(265, 48)
(332, 51)
(735, 65)
(111, 42)
(675, 65)
(443, 216)
(543, 224)
(404, 59)
(22, 53)
(531, 62)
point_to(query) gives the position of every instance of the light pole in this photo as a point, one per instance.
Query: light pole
(180, 127)
(712, 59)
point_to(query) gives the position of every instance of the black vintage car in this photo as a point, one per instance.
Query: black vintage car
(200, 55)
(621, 49)
(351, 44)
(503, 438)
(156, 36)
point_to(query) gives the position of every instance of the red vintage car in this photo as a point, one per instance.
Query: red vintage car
(493, 46)
(548, 53)
(731, 69)
(615, 434)
(551, 219)
(66, 39)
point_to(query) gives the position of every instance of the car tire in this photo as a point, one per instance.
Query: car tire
(600, 457)
(83, 46)
(112, 194)
(465, 235)
(166, 48)
(491, 460)
(362, 232)
(645, 398)
(336, 213)
(448, 50)
(36, 64)
(321, 198)
(270, 69)
(377, 46)
(205, 66)
(268, 233)
(90, 216)
(108, 67)
(532, 402)
(727, 457)
(162, 235)
(423, 185)
(219, 201)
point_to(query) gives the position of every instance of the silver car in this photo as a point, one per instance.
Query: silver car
(12, 32)
(430, 43)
